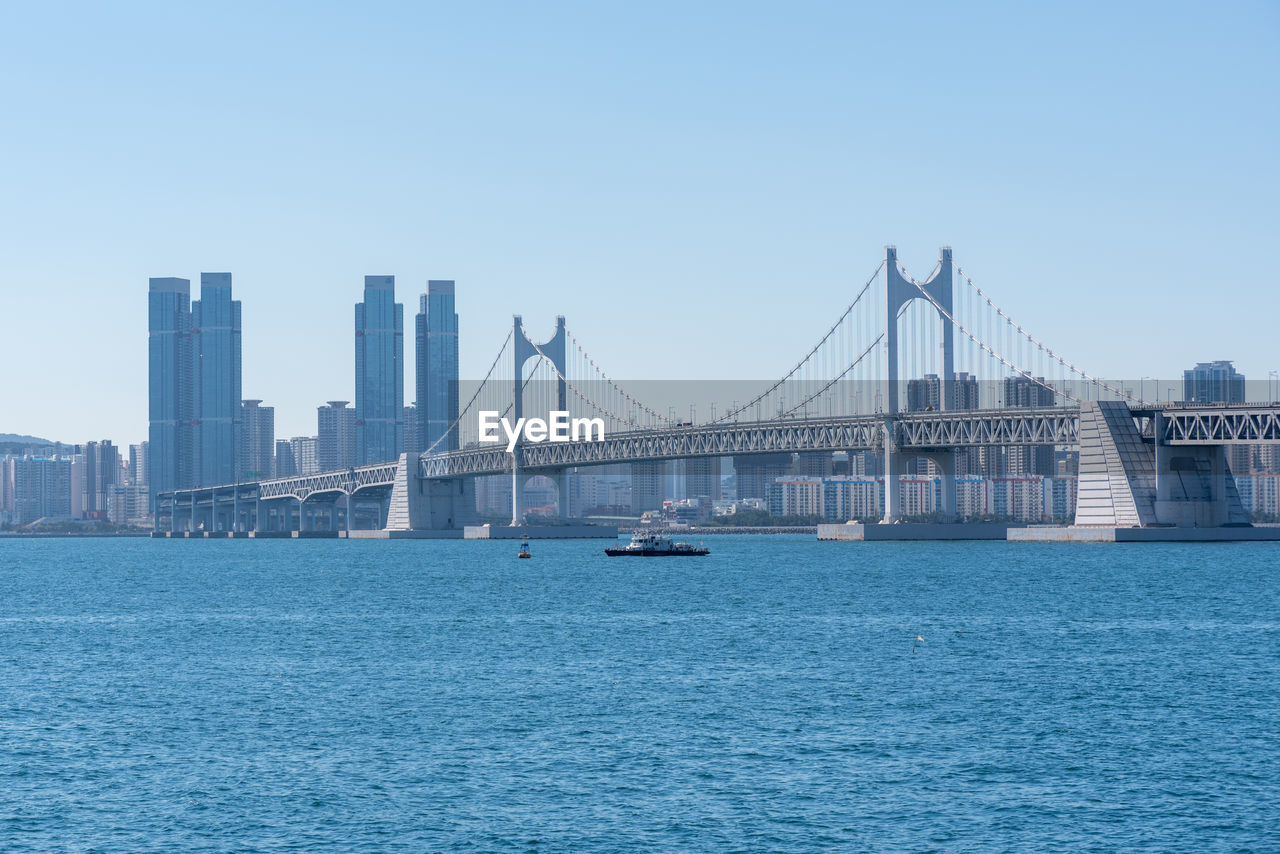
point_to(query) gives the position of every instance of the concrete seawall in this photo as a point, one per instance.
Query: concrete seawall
(1106, 534)
(857, 531)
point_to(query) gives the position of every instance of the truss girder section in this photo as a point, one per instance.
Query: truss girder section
(345, 481)
(1222, 427)
(922, 430)
(985, 428)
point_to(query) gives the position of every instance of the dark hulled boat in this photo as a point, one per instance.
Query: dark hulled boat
(653, 544)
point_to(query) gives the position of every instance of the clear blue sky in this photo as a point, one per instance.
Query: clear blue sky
(682, 181)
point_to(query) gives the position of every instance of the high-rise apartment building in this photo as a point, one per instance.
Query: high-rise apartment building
(285, 465)
(335, 441)
(379, 372)
(925, 394)
(437, 366)
(647, 486)
(1213, 382)
(136, 472)
(35, 488)
(215, 339)
(170, 406)
(303, 452)
(257, 440)
(702, 478)
(755, 471)
(96, 472)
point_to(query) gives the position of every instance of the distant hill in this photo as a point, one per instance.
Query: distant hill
(19, 439)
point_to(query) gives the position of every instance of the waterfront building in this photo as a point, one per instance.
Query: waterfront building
(379, 349)
(335, 441)
(1060, 498)
(170, 405)
(852, 497)
(921, 496)
(215, 336)
(257, 441)
(796, 496)
(1260, 495)
(436, 363)
(1019, 498)
(35, 488)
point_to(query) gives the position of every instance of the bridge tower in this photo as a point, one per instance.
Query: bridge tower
(524, 350)
(899, 292)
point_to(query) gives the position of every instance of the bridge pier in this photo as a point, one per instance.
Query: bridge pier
(1127, 480)
(895, 465)
(429, 504)
(517, 503)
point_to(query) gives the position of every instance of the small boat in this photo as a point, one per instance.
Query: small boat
(653, 544)
(524, 548)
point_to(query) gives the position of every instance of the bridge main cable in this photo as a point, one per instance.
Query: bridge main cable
(948, 315)
(462, 412)
(1043, 348)
(771, 389)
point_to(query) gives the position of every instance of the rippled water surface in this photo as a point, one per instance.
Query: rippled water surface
(443, 696)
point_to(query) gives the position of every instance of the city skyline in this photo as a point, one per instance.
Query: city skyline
(1098, 182)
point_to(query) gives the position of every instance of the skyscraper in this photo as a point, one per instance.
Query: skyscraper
(215, 336)
(437, 366)
(379, 372)
(170, 405)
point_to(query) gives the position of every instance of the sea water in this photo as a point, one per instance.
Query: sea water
(413, 696)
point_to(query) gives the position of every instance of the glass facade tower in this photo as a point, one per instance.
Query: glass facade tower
(379, 372)
(170, 406)
(437, 367)
(215, 336)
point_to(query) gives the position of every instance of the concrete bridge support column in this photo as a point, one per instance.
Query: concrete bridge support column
(946, 463)
(517, 505)
(895, 464)
(561, 477)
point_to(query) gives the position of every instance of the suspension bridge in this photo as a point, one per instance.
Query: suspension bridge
(910, 369)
